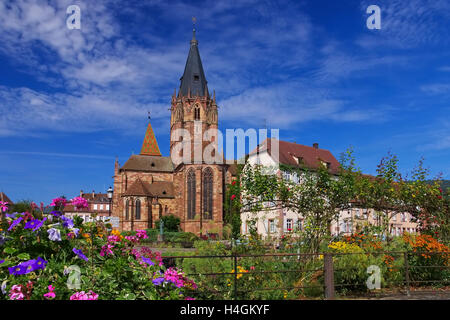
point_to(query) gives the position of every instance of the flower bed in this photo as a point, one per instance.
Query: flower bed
(49, 256)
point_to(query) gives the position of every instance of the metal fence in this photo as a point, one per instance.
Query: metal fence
(326, 265)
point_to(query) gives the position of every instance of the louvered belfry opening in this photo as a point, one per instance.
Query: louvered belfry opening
(207, 193)
(191, 194)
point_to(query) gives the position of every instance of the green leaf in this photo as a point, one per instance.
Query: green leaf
(9, 250)
(24, 256)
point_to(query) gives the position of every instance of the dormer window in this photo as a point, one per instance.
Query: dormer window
(326, 164)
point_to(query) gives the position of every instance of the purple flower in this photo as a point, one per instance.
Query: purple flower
(158, 281)
(67, 222)
(15, 223)
(39, 263)
(34, 224)
(12, 215)
(1, 261)
(28, 266)
(148, 261)
(76, 231)
(54, 234)
(80, 254)
(18, 270)
(56, 213)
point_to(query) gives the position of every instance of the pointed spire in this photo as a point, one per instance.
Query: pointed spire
(193, 78)
(150, 145)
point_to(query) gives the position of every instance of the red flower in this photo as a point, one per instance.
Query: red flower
(233, 196)
(234, 182)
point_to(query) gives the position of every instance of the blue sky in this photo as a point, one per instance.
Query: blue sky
(73, 100)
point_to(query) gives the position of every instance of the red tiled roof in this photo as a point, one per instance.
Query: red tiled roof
(309, 157)
(160, 189)
(4, 197)
(150, 145)
(95, 197)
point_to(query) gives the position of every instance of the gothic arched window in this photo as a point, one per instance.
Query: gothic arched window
(207, 193)
(197, 113)
(138, 210)
(191, 194)
(127, 209)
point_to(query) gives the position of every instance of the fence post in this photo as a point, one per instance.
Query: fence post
(328, 275)
(405, 257)
(235, 275)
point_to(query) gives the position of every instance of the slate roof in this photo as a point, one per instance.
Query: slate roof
(309, 157)
(193, 78)
(148, 164)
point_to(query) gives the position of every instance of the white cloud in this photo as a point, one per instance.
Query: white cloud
(436, 88)
(408, 24)
(290, 103)
(30, 112)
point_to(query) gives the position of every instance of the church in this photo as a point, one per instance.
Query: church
(149, 185)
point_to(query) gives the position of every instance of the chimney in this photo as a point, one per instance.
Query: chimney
(81, 193)
(315, 145)
(93, 194)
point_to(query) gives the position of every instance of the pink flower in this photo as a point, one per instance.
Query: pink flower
(84, 296)
(132, 239)
(252, 268)
(16, 293)
(58, 202)
(3, 205)
(113, 238)
(50, 294)
(79, 203)
(106, 249)
(141, 234)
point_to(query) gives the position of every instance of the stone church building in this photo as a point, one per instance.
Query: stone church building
(149, 185)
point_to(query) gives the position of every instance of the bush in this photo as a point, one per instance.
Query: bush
(171, 223)
(427, 255)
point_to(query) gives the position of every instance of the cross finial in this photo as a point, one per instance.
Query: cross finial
(194, 20)
(149, 117)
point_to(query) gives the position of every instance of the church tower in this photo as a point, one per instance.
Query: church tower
(194, 113)
(199, 174)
